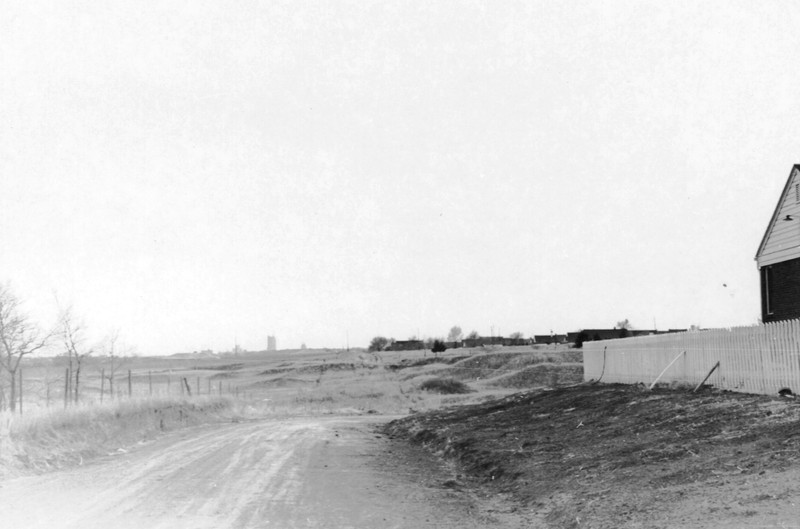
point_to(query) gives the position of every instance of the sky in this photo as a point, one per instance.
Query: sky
(198, 174)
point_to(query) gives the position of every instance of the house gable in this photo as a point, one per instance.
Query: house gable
(781, 241)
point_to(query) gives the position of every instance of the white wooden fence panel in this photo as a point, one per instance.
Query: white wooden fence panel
(755, 359)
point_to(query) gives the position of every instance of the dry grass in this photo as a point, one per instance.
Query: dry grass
(447, 386)
(486, 367)
(53, 438)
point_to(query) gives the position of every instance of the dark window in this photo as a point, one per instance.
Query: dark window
(767, 289)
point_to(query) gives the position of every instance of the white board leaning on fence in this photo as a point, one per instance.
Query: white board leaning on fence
(755, 359)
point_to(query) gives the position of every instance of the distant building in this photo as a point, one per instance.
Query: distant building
(406, 345)
(272, 343)
(549, 338)
(483, 340)
(517, 341)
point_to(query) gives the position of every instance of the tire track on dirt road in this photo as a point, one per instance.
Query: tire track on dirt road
(320, 472)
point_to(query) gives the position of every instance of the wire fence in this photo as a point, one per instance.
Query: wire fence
(754, 359)
(39, 389)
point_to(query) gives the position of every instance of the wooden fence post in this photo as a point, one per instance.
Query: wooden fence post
(102, 383)
(665, 370)
(198, 385)
(707, 376)
(188, 389)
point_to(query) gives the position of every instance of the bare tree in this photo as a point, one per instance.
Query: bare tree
(113, 358)
(73, 336)
(48, 382)
(624, 324)
(19, 337)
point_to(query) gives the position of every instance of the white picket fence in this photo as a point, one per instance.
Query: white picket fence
(756, 359)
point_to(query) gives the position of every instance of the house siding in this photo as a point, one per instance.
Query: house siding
(784, 291)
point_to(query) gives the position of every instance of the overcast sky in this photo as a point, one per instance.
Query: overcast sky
(194, 173)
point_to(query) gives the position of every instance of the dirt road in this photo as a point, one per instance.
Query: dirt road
(283, 473)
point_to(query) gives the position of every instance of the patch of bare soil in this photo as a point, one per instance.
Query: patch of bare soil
(541, 375)
(315, 368)
(622, 456)
(418, 362)
(224, 367)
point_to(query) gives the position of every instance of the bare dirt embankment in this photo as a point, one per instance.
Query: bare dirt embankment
(622, 456)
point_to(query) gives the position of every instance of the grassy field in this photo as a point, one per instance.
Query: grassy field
(152, 394)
